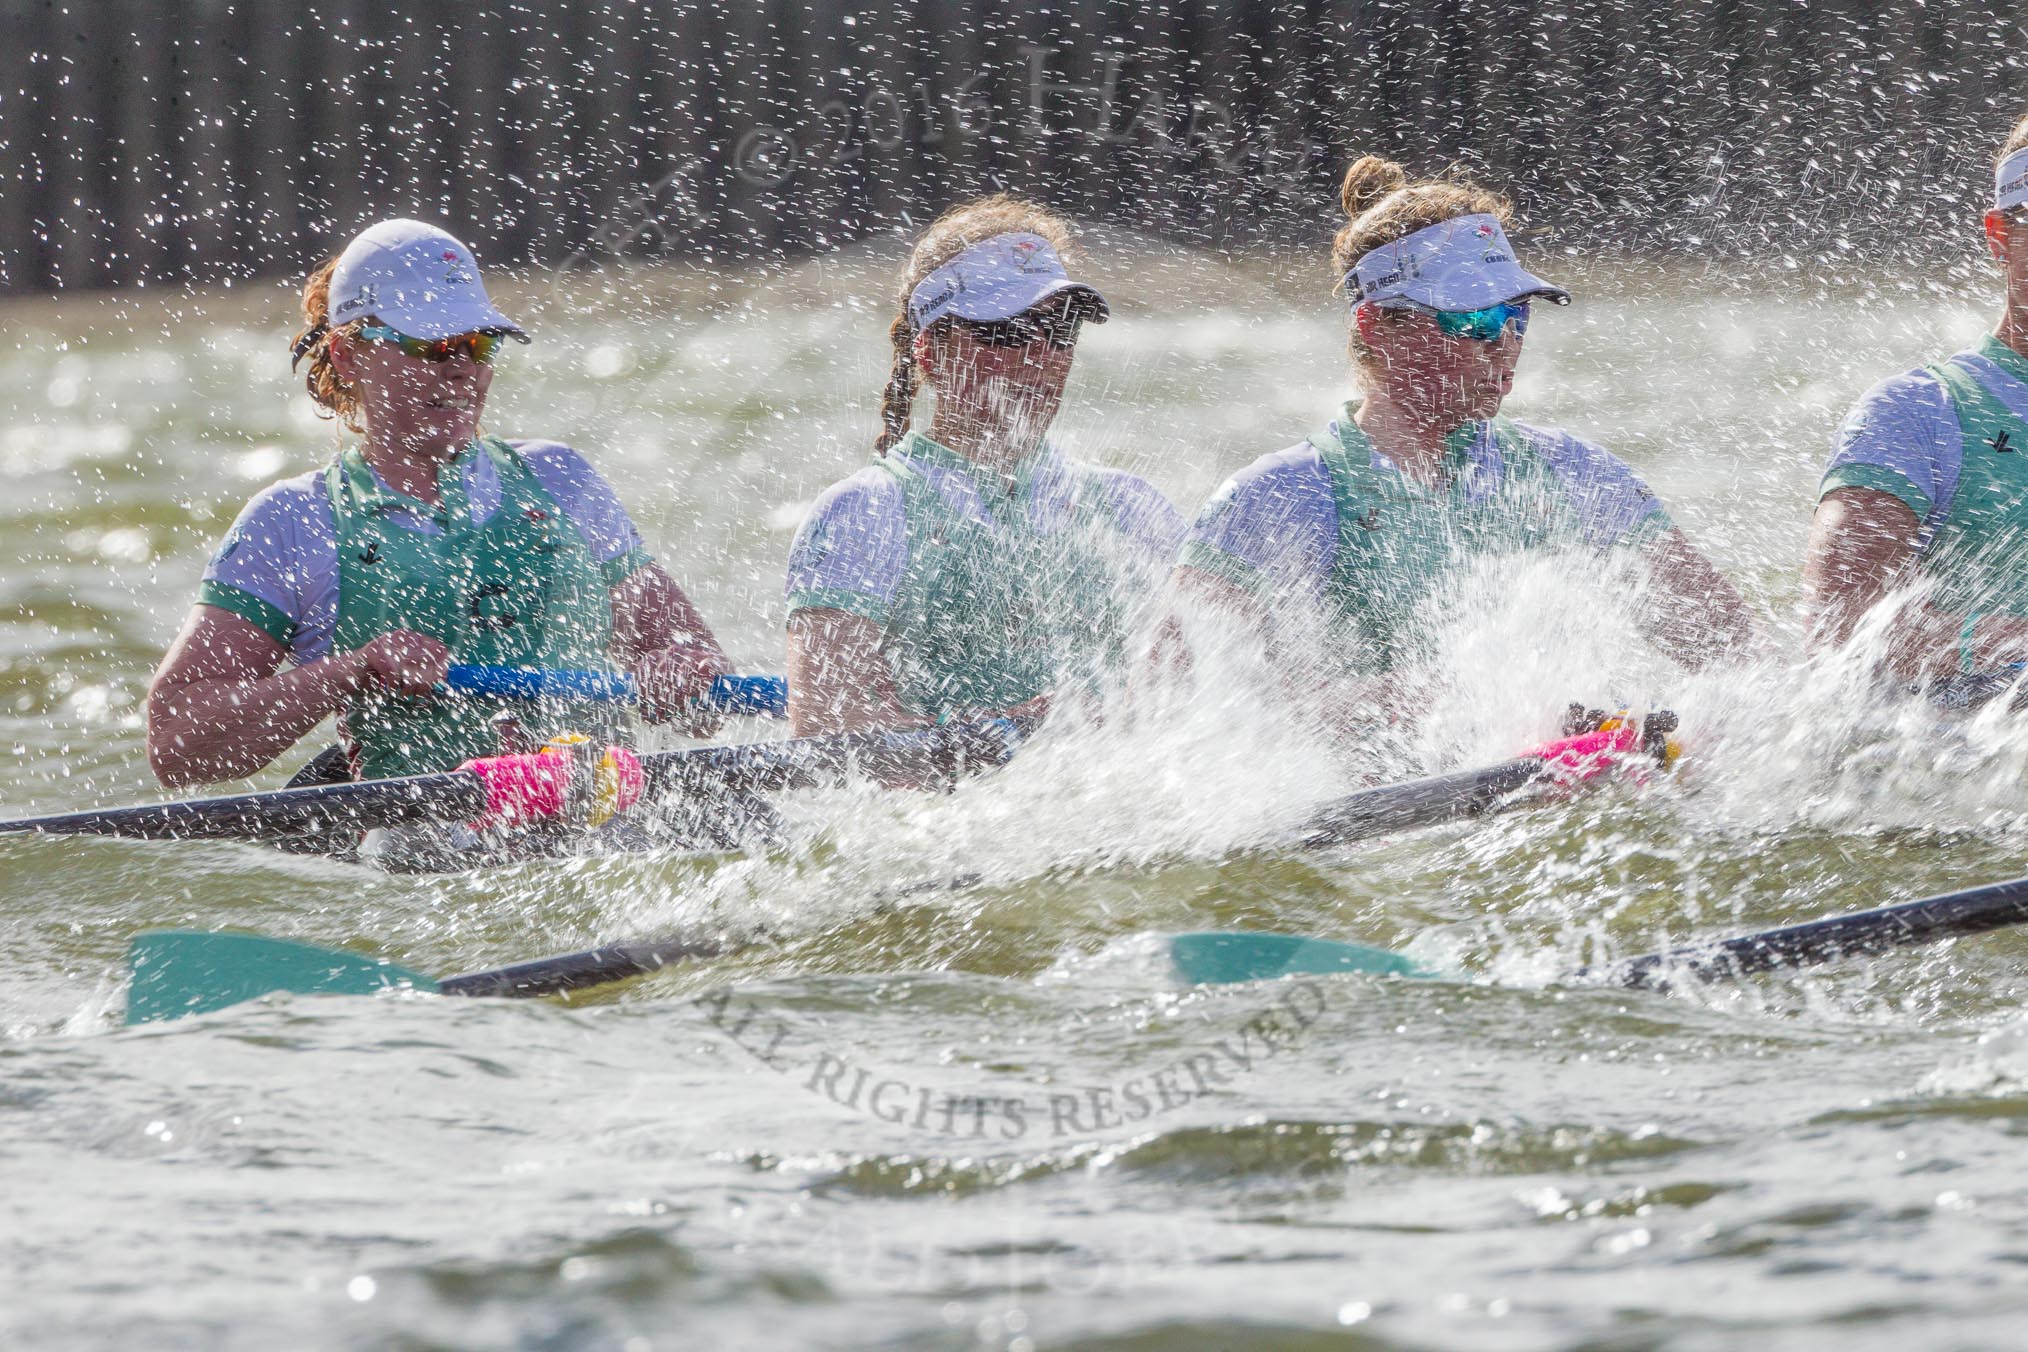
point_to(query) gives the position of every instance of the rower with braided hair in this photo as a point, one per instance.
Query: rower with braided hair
(972, 568)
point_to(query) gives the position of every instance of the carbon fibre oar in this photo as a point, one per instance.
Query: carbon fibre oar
(1388, 808)
(1593, 742)
(1910, 924)
(183, 972)
(462, 795)
(1221, 957)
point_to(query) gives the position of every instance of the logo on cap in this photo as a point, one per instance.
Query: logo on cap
(364, 299)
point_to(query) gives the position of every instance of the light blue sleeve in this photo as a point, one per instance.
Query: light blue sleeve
(1272, 524)
(590, 503)
(1145, 518)
(1902, 438)
(852, 549)
(278, 567)
(1613, 504)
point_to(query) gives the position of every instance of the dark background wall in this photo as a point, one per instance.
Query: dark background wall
(168, 140)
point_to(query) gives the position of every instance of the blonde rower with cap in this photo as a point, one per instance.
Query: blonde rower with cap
(1928, 485)
(972, 568)
(350, 590)
(1361, 525)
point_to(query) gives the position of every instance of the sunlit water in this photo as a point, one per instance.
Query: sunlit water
(989, 1117)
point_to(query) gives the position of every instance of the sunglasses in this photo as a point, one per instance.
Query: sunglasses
(1058, 328)
(480, 347)
(1486, 326)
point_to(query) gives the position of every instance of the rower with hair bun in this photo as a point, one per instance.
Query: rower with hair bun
(1928, 486)
(972, 569)
(1362, 525)
(351, 589)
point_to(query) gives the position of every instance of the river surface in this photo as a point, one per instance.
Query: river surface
(990, 1117)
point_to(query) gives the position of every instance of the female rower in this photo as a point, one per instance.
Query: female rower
(1357, 530)
(1927, 485)
(972, 568)
(424, 544)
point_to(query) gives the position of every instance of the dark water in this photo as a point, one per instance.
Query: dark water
(990, 1118)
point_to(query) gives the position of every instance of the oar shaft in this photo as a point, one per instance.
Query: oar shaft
(279, 812)
(574, 971)
(458, 795)
(1912, 923)
(1420, 802)
(954, 748)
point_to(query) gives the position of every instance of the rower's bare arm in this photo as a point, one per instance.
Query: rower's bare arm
(838, 679)
(1862, 547)
(1862, 544)
(1695, 614)
(661, 636)
(220, 707)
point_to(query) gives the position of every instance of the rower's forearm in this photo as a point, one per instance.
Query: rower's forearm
(205, 731)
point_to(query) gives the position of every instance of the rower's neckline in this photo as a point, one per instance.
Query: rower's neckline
(373, 493)
(1021, 476)
(1456, 463)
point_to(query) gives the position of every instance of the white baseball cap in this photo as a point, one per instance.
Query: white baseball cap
(417, 278)
(1461, 264)
(2010, 181)
(997, 279)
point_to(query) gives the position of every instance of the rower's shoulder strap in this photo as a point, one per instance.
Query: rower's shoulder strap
(1348, 464)
(508, 462)
(350, 487)
(1968, 395)
(898, 468)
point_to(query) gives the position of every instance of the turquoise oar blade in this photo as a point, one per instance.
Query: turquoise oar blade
(1220, 958)
(179, 972)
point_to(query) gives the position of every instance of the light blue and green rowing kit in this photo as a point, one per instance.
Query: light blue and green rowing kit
(989, 589)
(1334, 520)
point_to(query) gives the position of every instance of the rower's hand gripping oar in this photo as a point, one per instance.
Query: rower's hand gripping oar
(550, 782)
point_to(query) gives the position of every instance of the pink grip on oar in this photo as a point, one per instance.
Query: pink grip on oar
(522, 788)
(1576, 759)
(629, 780)
(536, 784)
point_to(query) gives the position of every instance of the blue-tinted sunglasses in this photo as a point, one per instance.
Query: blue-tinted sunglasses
(1486, 326)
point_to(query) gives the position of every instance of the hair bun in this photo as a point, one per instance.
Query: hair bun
(1368, 180)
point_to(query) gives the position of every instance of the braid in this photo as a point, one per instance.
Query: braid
(948, 236)
(897, 401)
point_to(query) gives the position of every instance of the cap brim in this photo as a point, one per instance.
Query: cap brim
(1555, 295)
(991, 308)
(436, 319)
(1492, 287)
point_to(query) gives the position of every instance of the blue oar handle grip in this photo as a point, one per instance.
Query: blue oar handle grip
(759, 696)
(531, 683)
(765, 696)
